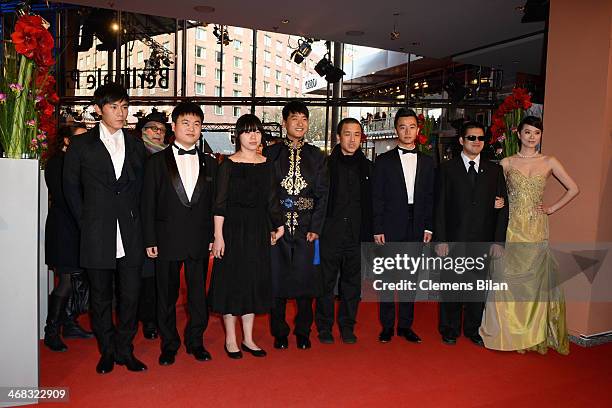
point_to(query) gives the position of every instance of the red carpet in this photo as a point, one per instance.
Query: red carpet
(366, 374)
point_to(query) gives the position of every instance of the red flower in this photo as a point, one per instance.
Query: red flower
(422, 139)
(32, 40)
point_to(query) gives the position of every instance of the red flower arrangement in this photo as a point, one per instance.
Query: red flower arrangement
(28, 89)
(506, 119)
(425, 126)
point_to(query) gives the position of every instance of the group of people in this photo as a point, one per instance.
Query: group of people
(288, 223)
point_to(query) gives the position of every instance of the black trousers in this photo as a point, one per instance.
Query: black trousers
(303, 318)
(168, 285)
(405, 303)
(114, 340)
(147, 312)
(340, 254)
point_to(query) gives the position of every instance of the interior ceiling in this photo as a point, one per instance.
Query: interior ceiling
(434, 28)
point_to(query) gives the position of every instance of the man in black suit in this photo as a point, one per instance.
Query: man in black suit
(402, 195)
(103, 172)
(466, 193)
(177, 218)
(348, 222)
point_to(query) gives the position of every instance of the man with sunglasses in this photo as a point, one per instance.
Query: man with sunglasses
(466, 212)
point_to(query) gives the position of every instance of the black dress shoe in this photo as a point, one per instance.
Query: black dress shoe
(236, 355)
(254, 353)
(149, 333)
(167, 358)
(409, 335)
(200, 354)
(477, 340)
(385, 335)
(325, 337)
(105, 365)
(348, 336)
(303, 342)
(451, 341)
(281, 342)
(132, 363)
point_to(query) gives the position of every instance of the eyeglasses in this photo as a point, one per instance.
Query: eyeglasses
(157, 129)
(472, 138)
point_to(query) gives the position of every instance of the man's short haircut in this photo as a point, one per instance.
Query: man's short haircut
(110, 92)
(187, 108)
(404, 113)
(346, 121)
(471, 124)
(295, 107)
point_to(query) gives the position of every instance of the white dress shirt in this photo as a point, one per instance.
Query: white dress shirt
(115, 144)
(188, 168)
(466, 162)
(409, 167)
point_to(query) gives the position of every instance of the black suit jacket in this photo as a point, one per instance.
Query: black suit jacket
(466, 214)
(97, 199)
(61, 230)
(390, 198)
(180, 228)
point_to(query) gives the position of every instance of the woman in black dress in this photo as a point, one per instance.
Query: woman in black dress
(248, 220)
(61, 248)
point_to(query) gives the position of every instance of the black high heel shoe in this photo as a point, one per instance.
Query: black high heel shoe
(236, 355)
(255, 353)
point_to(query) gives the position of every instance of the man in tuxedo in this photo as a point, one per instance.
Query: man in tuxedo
(177, 220)
(466, 193)
(299, 171)
(103, 173)
(348, 222)
(402, 194)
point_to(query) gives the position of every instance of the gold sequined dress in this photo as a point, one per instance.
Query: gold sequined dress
(530, 315)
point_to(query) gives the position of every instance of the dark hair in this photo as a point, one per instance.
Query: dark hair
(531, 121)
(404, 113)
(346, 121)
(110, 92)
(248, 123)
(294, 107)
(187, 108)
(471, 124)
(65, 131)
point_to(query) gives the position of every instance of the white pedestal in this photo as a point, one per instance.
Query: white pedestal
(19, 272)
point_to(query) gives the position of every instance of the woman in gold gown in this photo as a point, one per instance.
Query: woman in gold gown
(530, 315)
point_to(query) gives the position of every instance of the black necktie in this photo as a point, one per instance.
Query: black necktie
(404, 151)
(182, 151)
(472, 172)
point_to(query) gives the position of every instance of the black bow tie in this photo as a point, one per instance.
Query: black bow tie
(182, 151)
(404, 151)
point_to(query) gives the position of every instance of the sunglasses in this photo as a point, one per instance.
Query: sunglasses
(156, 129)
(473, 138)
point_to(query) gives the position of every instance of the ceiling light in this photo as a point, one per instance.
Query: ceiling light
(114, 26)
(285, 21)
(302, 51)
(326, 68)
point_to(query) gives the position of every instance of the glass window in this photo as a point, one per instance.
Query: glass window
(288, 93)
(218, 56)
(200, 52)
(238, 30)
(288, 79)
(279, 46)
(267, 56)
(219, 110)
(237, 62)
(217, 74)
(200, 33)
(238, 45)
(266, 86)
(279, 61)
(237, 93)
(218, 91)
(200, 70)
(199, 88)
(278, 90)
(236, 111)
(267, 71)
(237, 79)
(279, 76)
(267, 40)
